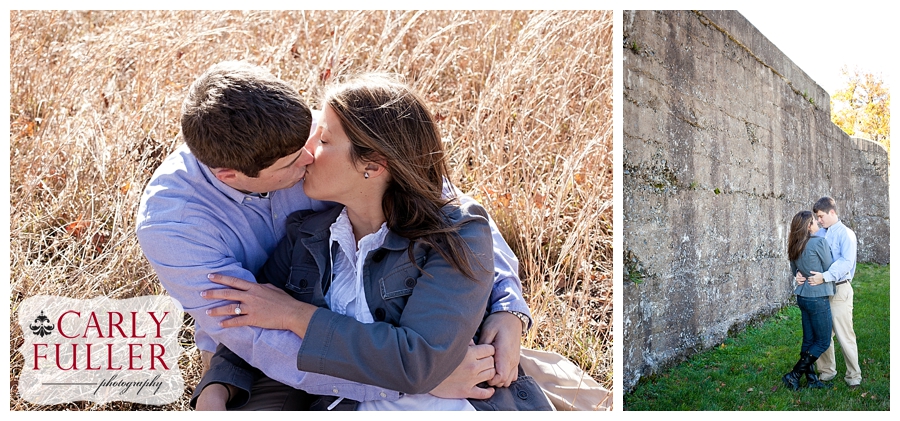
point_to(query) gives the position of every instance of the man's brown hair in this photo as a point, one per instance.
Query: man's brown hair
(824, 204)
(240, 116)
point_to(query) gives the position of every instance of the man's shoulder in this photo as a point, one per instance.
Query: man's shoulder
(179, 170)
(845, 231)
(178, 182)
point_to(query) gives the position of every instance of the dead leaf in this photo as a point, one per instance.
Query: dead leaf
(505, 199)
(579, 178)
(77, 228)
(29, 129)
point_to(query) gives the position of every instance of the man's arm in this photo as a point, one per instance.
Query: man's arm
(418, 350)
(844, 259)
(503, 329)
(183, 254)
(506, 294)
(844, 263)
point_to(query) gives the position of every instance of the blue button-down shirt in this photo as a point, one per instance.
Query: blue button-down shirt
(843, 250)
(190, 224)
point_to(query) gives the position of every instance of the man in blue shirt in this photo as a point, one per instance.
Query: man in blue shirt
(843, 249)
(218, 205)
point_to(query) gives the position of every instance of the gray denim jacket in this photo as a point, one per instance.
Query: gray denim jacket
(816, 256)
(428, 316)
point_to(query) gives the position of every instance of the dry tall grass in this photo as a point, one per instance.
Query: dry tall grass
(524, 100)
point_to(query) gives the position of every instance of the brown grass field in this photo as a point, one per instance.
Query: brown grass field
(524, 100)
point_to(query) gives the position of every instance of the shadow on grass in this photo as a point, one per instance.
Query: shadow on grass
(744, 373)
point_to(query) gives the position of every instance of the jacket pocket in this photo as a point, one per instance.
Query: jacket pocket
(399, 283)
(302, 279)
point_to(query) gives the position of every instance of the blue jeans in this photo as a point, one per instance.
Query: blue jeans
(816, 315)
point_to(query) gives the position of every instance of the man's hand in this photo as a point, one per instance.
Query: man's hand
(817, 278)
(213, 398)
(503, 330)
(799, 278)
(476, 367)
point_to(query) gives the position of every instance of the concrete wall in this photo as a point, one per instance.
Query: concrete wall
(725, 140)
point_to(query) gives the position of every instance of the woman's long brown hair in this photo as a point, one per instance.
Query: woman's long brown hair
(386, 121)
(799, 235)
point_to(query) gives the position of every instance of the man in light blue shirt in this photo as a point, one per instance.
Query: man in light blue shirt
(218, 205)
(843, 249)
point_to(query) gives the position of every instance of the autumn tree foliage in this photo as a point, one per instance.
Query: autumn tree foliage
(863, 107)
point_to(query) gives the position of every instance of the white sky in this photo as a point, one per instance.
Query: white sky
(821, 40)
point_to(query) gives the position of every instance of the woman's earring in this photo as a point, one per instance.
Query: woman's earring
(367, 175)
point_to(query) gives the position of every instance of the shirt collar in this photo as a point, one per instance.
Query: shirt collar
(231, 192)
(342, 232)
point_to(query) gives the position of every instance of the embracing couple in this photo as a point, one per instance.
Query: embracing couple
(327, 259)
(823, 262)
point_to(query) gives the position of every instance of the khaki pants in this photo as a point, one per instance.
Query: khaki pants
(567, 386)
(842, 318)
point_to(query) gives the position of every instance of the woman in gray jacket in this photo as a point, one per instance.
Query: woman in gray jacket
(393, 284)
(807, 254)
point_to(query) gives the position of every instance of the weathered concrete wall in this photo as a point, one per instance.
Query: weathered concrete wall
(725, 140)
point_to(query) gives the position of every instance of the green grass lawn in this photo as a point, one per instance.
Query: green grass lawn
(744, 373)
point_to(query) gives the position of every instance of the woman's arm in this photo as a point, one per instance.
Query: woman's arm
(440, 317)
(276, 271)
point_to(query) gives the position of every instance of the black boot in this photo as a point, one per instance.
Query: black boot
(792, 379)
(812, 380)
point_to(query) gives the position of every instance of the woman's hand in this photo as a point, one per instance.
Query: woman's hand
(476, 367)
(265, 306)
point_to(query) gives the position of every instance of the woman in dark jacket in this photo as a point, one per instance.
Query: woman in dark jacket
(807, 254)
(394, 283)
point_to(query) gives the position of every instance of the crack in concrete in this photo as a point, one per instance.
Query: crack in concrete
(707, 21)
